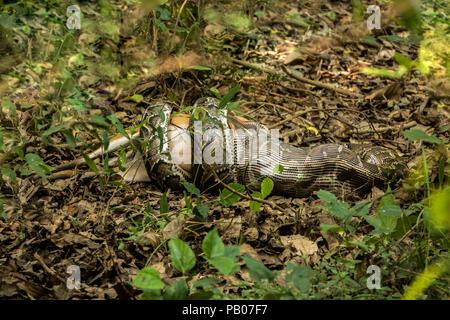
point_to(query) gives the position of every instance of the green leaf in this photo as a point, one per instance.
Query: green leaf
(228, 198)
(191, 188)
(257, 270)
(201, 210)
(148, 279)
(11, 174)
(238, 21)
(164, 14)
(293, 271)
(105, 140)
(52, 130)
(232, 251)
(390, 210)
(326, 196)
(183, 258)
(361, 209)
(37, 165)
(176, 291)
(69, 138)
(377, 224)
(201, 295)
(417, 134)
(266, 187)
(201, 68)
(216, 93)
(2, 143)
(99, 121)
(7, 104)
(369, 39)
(136, 98)
(381, 73)
(78, 104)
(118, 125)
(18, 150)
(278, 169)
(160, 133)
(255, 205)
(299, 276)
(205, 283)
(230, 94)
(225, 265)
(394, 37)
(90, 163)
(404, 61)
(163, 204)
(212, 245)
(339, 209)
(331, 15)
(329, 227)
(151, 295)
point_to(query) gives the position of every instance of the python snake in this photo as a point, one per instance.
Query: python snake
(178, 151)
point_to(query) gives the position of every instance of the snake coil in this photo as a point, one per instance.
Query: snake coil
(295, 171)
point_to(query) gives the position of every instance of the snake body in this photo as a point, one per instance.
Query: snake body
(295, 171)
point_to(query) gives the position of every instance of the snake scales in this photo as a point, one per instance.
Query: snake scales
(349, 168)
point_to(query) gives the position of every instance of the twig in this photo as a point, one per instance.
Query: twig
(296, 75)
(269, 203)
(409, 232)
(256, 67)
(382, 129)
(417, 273)
(155, 33)
(294, 115)
(47, 269)
(263, 103)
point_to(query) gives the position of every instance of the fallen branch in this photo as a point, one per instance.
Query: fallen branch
(296, 75)
(256, 67)
(47, 269)
(294, 115)
(382, 129)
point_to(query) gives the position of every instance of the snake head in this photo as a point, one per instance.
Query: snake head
(391, 166)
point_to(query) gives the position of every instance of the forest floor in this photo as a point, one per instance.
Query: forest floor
(112, 231)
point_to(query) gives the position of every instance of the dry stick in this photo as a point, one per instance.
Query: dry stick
(271, 204)
(418, 273)
(47, 269)
(296, 75)
(256, 67)
(378, 130)
(264, 103)
(295, 114)
(382, 129)
(155, 33)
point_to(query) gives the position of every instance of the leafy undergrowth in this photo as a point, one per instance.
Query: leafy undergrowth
(65, 92)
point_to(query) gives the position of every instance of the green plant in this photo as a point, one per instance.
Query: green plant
(224, 260)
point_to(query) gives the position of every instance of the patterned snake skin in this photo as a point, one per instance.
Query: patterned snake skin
(339, 168)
